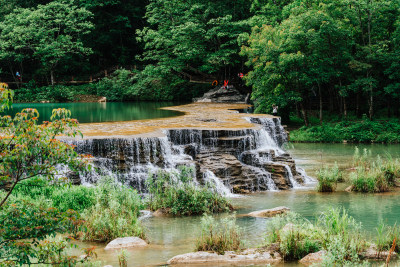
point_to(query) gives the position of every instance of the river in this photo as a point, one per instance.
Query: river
(172, 236)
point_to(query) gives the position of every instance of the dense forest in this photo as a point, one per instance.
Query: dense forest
(320, 56)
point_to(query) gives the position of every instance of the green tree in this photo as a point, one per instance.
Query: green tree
(46, 33)
(193, 40)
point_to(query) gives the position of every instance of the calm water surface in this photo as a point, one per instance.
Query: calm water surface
(103, 112)
(173, 236)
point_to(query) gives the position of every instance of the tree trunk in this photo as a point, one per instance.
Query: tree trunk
(320, 103)
(52, 77)
(305, 115)
(358, 105)
(371, 103)
(344, 108)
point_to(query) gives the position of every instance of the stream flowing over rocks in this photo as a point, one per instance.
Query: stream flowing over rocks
(232, 160)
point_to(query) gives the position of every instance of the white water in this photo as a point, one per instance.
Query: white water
(131, 160)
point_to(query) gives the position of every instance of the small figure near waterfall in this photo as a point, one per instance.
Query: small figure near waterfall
(274, 110)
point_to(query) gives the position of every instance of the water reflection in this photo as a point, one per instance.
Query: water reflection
(102, 112)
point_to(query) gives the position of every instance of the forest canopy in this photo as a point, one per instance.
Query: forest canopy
(337, 56)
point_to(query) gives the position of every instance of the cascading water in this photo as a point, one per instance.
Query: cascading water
(232, 160)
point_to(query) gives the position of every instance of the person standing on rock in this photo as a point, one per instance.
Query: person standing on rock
(275, 110)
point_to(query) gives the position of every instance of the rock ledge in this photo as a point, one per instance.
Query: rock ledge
(248, 256)
(126, 242)
(269, 212)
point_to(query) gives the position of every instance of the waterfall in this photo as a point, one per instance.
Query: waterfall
(214, 182)
(241, 160)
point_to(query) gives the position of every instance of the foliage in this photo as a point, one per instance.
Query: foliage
(29, 150)
(328, 178)
(364, 131)
(116, 87)
(61, 195)
(47, 33)
(218, 236)
(334, 231)
(179, 193)
(374, 175)
(114, 214)
(296, 236)
(24, 228)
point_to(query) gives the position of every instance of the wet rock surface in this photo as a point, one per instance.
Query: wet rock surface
(243, 160)
(222, 94)
(248, 256)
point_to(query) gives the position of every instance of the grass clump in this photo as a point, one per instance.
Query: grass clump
(328, 178)
(218, 236)
(180, 194)
(374, 176)
(334, 231)
(115, 213)
(295, 235)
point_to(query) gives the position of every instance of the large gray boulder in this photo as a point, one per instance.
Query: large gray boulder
(222, 95)
(126, 242)
(249, 256)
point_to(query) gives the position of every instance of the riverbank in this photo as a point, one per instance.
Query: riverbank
(362, 131)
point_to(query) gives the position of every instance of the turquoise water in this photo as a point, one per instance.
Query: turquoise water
(103, 112)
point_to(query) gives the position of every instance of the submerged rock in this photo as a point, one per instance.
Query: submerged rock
(248, 256)
(373, 254)
(313, 258)
(162, 212)
(126, 242)
(269, 212)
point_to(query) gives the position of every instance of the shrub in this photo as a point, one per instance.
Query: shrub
(61, 195)
(334, 231)
(179, 193)
(328, 178)
(115, 213)
(374, 176)
(218, 236)
(296, 236)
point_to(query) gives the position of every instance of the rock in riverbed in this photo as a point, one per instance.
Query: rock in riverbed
(313, 258)
(248, 256)
(126, 242)
(269, 212)
(372, 254)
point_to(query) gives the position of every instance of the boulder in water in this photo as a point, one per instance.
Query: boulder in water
(372, 253)
(248, 256)
(313, 258)
(269, 212)
(126, 242)
(222, 94)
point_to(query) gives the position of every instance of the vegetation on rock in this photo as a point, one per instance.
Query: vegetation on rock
(181, 195)
(220, 236)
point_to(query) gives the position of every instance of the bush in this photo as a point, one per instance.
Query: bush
(328, 178)
(115, 213)
(373, 176)
(296, 236)
(179, 193)
(60, 195)
(334, 231)
(218, 236)
(364, 131)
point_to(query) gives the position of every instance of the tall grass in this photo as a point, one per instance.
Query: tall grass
(115, 213)
(334, 231)
(373, 176)
(218, 236)
(181, 195)
(328, 178)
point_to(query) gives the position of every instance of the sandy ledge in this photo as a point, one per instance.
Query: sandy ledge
(211, 116)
